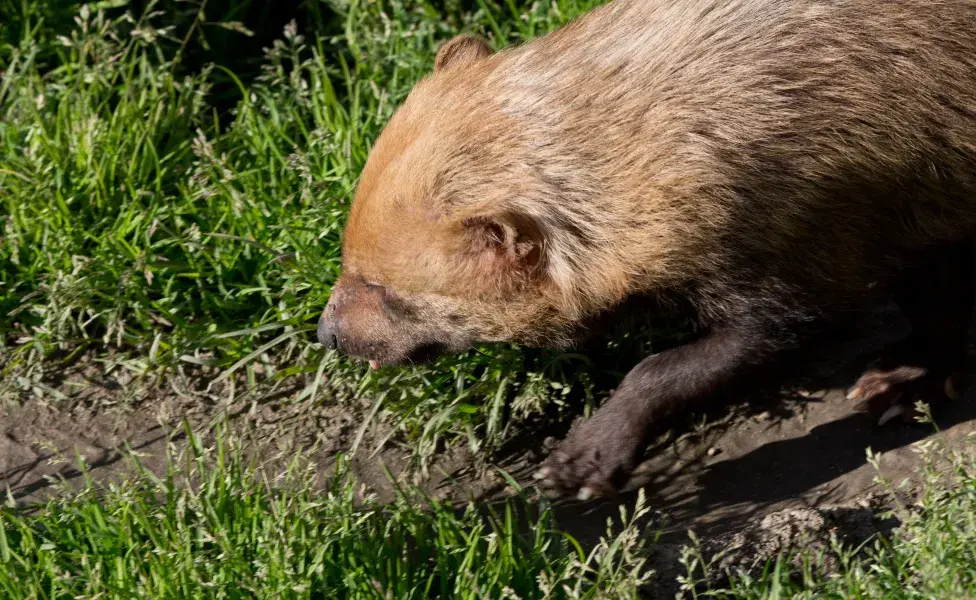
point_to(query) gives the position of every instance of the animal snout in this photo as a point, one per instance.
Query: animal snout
(328, 331)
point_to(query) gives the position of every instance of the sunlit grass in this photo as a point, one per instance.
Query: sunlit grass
(238, 534)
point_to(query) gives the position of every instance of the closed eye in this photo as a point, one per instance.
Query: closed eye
(387, 292)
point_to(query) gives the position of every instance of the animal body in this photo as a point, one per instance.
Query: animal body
(778, 165)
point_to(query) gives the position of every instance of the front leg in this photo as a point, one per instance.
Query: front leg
(598, 457)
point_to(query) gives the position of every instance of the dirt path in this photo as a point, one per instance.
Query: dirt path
(795, 451)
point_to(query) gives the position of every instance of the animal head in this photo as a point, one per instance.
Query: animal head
(458, 234)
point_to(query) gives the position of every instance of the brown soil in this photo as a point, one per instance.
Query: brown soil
(759, 476)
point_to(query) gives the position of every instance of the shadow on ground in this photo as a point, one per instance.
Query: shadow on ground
(793, 447)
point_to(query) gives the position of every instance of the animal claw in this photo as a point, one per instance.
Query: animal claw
(895, 411)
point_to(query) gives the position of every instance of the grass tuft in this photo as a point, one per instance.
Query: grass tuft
(235, 533)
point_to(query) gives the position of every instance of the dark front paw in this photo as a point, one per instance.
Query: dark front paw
(595, 460)
(891, 394)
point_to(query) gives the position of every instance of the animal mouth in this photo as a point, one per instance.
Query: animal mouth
(425, 353)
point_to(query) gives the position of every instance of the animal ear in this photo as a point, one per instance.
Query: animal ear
(461, 49)
(515, 242)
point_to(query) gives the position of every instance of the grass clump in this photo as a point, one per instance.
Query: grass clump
(235, 533)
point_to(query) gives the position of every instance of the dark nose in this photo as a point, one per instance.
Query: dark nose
(327, 333)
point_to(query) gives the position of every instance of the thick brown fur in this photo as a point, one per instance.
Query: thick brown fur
(779, 164)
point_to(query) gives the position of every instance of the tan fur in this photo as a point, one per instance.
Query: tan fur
(714, 148)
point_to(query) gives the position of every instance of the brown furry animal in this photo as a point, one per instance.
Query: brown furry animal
(778, 164)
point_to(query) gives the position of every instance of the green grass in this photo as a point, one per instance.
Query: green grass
(238, 534)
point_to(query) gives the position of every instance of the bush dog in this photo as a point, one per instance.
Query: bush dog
(779, 165)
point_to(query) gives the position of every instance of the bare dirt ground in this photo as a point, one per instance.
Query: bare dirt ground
(773, 469)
